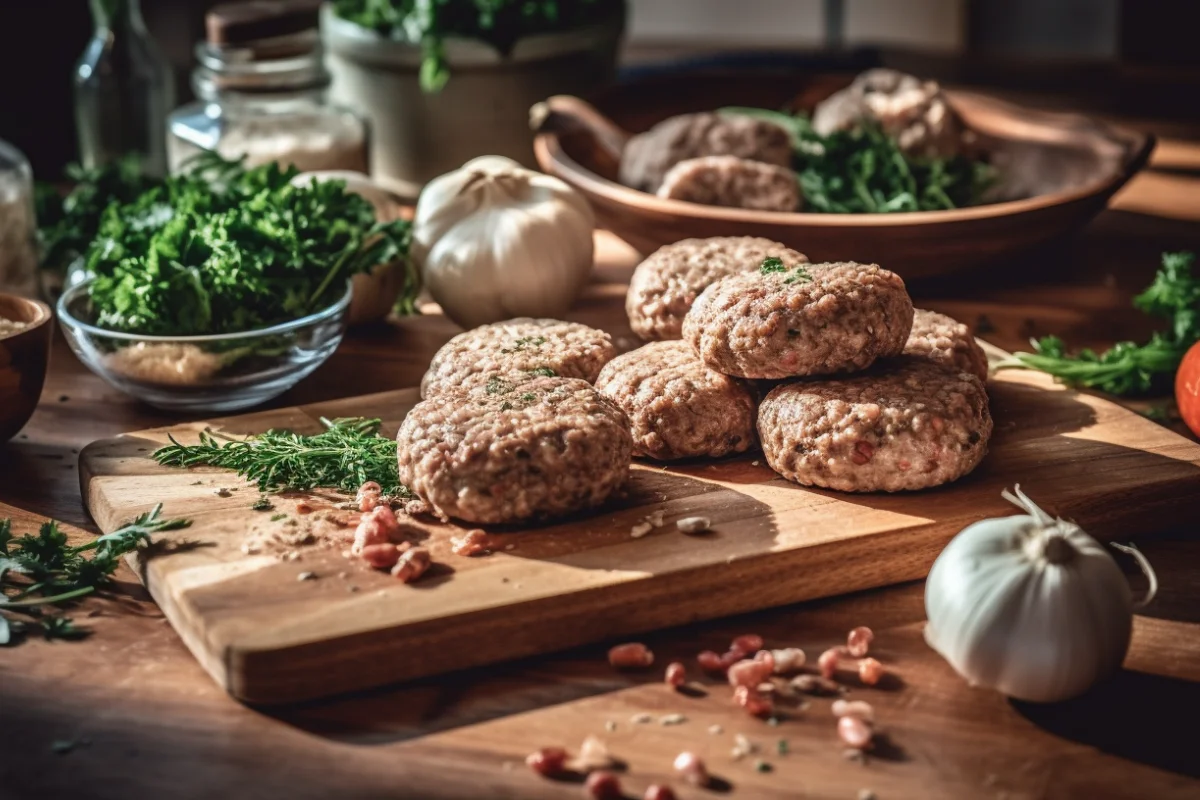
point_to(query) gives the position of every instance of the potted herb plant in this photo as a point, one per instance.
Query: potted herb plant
(443, 81)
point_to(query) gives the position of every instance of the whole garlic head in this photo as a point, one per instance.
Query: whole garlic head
(497, 241)
(1029, 605)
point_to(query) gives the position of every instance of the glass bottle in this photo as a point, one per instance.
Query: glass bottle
(18, 232)
(123, 90)
(265, 98)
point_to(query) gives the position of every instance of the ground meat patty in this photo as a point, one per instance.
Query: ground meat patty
(665, 285)
(733, 182)
(649, 155)
(523, 345)
(818, 319)
(906, 424)
(946, 341)
(677, 407)
(548, 448)
(913, 112)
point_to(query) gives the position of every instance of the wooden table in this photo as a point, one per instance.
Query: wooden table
(128, 713)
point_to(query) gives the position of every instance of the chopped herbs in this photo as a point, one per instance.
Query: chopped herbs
(42, 570)
(347, 454)
(529, 397)
(761, 766)
(262, 504)
(543, 372)
(525, 342)
(225, 249)
(500, 23)
(277, 517)
(772, 264)
(1128, 367)
(781, 747)
(506, 406)
(497, 386)
(864, 171)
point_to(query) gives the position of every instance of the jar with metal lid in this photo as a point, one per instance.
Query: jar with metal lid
(261, 85)
(18, 229)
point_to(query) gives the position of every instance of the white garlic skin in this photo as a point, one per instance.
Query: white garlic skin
(1008, 618)
(495, 241)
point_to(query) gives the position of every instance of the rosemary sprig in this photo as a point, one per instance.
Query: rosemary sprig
(43, 570)
(347, 454)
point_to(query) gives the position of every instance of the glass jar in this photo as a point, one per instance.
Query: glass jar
(18, 229)
(267, 101)
(123, 90)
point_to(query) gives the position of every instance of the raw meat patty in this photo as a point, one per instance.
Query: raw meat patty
(547, 448)
(912, 111)
(906, 424)
(946, 341)
(648, 156)
(665, 285)
(677, 407)
(522, 345)
(816, 319)
(733, 182)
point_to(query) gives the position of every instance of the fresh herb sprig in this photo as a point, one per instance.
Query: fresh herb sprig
(42, 570)
(864, 171)
(224, 249)
(773, 265)
(1128, 367)
(500, 23)
(347, 454)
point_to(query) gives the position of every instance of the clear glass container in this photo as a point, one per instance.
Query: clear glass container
(267, 101)
(215, 373)
(18, 228)
(123, 90)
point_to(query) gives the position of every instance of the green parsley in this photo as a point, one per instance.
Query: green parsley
(277, 517)
(772, 266)
(42, 570)
(761, 766)
(499, 23)
(864, 171)
(506, 406)
(523, 343)
(497, 385)
(262, 504)
(347, 454)
(1129, 367)
(225, 249)
(543, 372)
(529, 397)
(781, 747)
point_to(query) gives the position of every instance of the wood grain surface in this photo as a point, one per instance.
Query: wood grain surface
(267, 637)
(130, 714)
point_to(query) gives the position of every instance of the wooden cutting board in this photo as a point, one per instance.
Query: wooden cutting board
(268, 637)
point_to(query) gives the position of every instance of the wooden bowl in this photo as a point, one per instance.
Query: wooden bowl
(23, 360)
(1063, 167)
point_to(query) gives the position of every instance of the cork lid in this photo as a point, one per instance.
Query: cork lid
(239, 23)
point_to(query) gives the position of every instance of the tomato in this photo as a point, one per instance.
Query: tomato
(1187, 389)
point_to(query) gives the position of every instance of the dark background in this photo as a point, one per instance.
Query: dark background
(1138, 56)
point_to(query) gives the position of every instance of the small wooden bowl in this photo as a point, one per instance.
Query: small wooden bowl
(24, 357)
(1064, 167)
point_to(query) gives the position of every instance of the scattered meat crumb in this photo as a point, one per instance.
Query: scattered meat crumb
(691, 768)
(603, 786)
(412, 564)
(754, 463)
(866, 794)
(787, 660)
(593, 754)
(548, 761)
(694, 524)
(870, 671)
(640, 530)
(609, 725)
(222, 492)
(672, 719)
(641, 719)
(631, 654)
(715, 730)
(858, 641)
(676, 674)
(472, 543)
(306, 576)
(656, 519)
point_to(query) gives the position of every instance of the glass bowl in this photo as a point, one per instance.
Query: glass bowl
(219, 372)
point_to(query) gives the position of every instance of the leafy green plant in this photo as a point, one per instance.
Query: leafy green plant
(347, 454)
(864, 171)
(223, 249)
(1129, 367)
(41, 570)
(500, 23)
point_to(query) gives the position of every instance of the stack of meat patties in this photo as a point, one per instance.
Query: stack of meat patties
(862, 392)
(538, 418)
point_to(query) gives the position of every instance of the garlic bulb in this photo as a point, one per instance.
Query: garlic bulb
(1030, 605)
(496, 241)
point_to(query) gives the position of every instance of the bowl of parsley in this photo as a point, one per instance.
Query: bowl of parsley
(223, 287)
